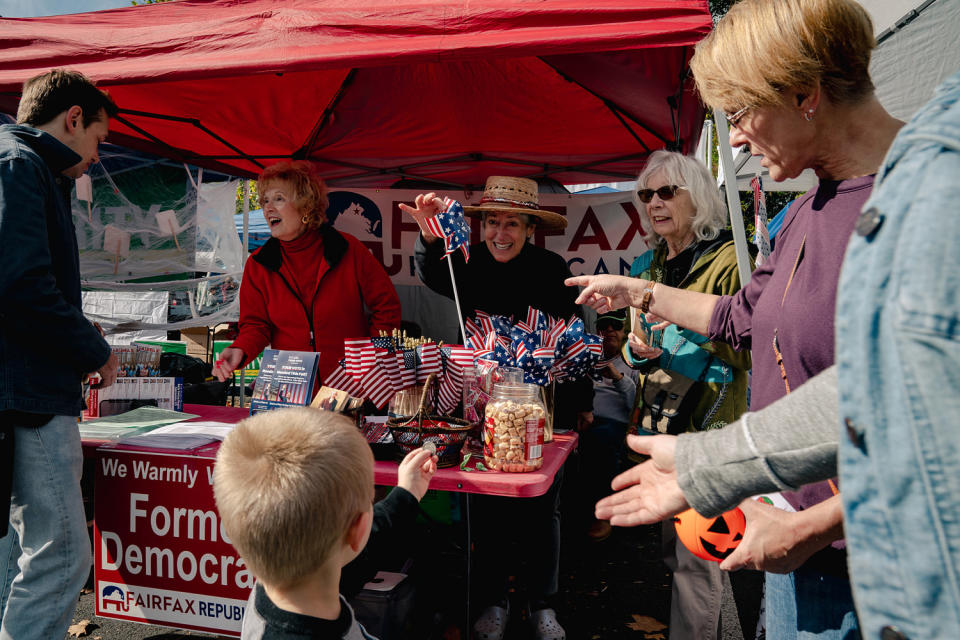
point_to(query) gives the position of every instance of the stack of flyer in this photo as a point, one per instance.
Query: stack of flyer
(137, 384)
(286, 379)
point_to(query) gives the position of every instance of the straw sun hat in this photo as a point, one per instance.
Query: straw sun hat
(515, 195)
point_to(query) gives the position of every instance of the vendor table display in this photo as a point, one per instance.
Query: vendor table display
(160, 554)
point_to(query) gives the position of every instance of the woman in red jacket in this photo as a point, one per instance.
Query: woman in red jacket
(310, 286)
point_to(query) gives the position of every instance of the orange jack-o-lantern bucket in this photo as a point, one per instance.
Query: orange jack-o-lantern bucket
(710, 538)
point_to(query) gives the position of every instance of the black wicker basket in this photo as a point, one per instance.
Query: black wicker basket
(446, 433)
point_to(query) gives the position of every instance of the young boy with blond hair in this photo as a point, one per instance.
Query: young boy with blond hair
(294, 488)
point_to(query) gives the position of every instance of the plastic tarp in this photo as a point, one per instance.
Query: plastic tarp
(158, 249)
(376, 90)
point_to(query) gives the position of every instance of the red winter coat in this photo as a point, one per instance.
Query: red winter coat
(351, 282)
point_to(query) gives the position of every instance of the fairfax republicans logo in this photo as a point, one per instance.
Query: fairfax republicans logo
(114, 597)
(355, 214)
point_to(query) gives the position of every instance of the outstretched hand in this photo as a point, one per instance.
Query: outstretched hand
(426, 206)
(416, 470)
(648, 492)
(606, 293)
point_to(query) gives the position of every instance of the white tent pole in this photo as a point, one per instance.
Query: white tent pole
(456, 298)
(246, 249)
(246, 217)
(705, 147)
(733, 197)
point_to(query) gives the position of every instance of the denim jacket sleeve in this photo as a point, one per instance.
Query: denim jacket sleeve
(898, 363)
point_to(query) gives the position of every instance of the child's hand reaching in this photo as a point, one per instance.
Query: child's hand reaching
(415, 471)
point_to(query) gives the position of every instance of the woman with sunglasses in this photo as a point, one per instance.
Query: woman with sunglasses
(682, 211)
(794, 74)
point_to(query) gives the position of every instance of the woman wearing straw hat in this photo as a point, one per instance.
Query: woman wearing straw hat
(505, 275)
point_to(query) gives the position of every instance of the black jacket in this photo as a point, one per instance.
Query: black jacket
(46, 343)
(532, 279)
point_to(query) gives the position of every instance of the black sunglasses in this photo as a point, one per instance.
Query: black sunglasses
(666, 192)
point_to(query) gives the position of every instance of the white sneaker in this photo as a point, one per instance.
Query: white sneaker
(492, 623)
(545, 625)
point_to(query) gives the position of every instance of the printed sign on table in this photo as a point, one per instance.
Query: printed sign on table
(161, 555)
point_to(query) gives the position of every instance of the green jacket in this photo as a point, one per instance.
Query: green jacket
(721, 372)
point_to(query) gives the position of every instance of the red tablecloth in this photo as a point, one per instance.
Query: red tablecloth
(496, 483)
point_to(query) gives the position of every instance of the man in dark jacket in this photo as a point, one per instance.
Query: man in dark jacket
(47, 346)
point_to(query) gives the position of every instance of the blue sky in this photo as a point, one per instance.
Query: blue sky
(30, 8)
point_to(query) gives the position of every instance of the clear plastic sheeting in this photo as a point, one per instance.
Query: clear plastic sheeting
(116, 308)
(160, 230)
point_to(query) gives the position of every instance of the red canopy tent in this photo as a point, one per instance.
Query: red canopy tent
(376, 90)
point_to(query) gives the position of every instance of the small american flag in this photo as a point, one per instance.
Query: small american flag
(387, 361)
(450, 225)
(359, 355)
(384, 342)
(459, 359)
(429, 361)
(409, 370)
(376, 386)
(340, 379)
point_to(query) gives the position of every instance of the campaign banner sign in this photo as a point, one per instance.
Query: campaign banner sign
(161, 555)
(285, 379)
(604, 232)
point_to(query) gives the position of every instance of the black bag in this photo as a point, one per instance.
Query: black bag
(192, 370)
(665, 405)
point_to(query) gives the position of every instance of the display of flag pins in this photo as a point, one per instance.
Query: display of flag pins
(117, 242)
(85, 193)
(168, 225)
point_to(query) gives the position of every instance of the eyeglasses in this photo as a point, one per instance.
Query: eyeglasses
(732, 120)
(666, 192)
(603, 325)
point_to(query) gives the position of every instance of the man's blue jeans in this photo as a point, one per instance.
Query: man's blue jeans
(45, 555)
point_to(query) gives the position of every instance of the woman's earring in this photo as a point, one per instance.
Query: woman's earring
(808, 116)
(305, 220)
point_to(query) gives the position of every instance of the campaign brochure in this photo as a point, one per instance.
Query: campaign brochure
(286, 379)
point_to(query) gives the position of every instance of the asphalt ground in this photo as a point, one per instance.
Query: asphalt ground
(617, 588)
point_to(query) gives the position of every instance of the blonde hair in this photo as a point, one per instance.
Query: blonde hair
(709, 217)
(288, 485)
(761, 47)
(310, 191)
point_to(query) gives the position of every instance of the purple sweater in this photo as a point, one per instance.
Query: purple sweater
(825, 216)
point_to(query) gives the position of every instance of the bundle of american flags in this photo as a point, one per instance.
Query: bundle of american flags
(377, 368)
(545, 348)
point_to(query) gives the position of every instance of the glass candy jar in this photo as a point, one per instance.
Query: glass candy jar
(513, 428)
